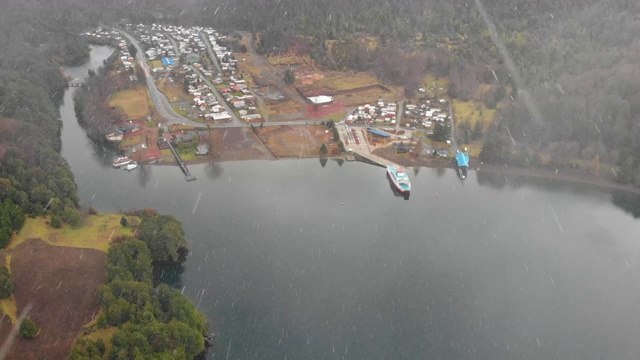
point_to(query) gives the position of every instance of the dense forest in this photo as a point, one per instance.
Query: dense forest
(33, 175)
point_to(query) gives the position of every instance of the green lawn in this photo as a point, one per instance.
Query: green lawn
(96, 232)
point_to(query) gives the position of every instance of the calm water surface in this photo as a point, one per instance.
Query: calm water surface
(291, 259)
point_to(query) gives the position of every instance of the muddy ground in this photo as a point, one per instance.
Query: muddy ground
(62, 286)
(237, 144)
(297, 141)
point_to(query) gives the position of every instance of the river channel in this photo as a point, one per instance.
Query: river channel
(296, 259)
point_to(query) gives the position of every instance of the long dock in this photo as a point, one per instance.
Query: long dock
(183, 166)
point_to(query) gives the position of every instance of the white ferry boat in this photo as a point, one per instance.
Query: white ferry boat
(400, 179)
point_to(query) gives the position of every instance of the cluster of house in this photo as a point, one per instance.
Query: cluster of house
(425, 114)
(380, 112)
(117, 133)
(155, 42)
(238, 96)
(234, 92)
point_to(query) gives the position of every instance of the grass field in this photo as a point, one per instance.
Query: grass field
(131, 141)
(435, 87)
(285, 107)
(96, 232)
(104, 334)
(8, 307)
(472, 111)
(345, 81)
(174, 92)
(288, 59)
(186, 112)
(133, 102)
(186, 155)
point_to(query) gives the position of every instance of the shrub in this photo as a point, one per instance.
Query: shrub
(7, 287)
(124, 222)
(55, 222)
(71, 216)
(28, 329)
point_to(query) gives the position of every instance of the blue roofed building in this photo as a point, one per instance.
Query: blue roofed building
(379, 135)
(462, 158)
(167, 61)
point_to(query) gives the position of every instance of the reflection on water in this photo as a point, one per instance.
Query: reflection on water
(169, 274)
(495, 180)
(144, 175)
(630, 203)
(214, 169)
(323, 161)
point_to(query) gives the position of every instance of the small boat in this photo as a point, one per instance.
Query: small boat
(400, 179)
(131, 166)
(121, 161)
(462, 162)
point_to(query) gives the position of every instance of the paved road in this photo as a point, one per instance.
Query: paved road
(159, 100)
(174, 43)
(454, 142)
(212, 55)
(399, 114)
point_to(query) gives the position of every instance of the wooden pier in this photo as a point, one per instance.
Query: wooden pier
(183, 166)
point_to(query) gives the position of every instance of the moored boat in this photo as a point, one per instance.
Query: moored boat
(400, 179)
(131, 166)
(121, 161)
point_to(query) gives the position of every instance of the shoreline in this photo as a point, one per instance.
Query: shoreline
(565, 175)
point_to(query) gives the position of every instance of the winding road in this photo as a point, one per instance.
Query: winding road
(159, 99)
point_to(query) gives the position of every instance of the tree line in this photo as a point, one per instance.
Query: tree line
(34, 178)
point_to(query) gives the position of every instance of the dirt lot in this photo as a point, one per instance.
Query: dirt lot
(237, 144)
(335, 111)
(297, 141)
(408, 159)
(279, 108)
(63, 292)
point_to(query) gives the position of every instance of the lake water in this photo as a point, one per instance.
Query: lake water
(291, 259)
